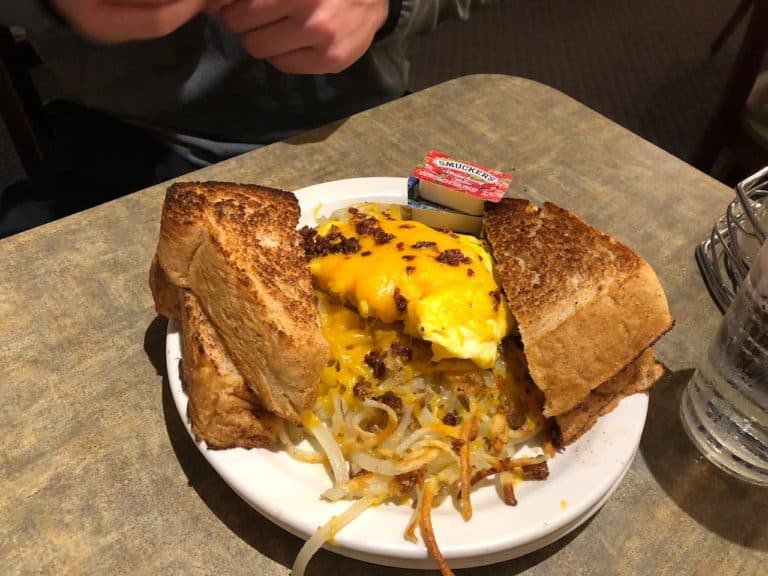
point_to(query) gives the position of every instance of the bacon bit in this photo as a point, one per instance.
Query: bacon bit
(456, 444)
(401, 350)
(369, 226)
(381, 237)
(334, 242)
(408, 481)
(470, 272)
(365, 225)
(410, 270)
(308, 241)
(424, 244)
(406, 226)
(450, 419)
(366, 253)
(390, 399)
(538, 471)
(496, 295)
(362, 389)
(408, 257)
(425, 513)
(375, 361)
(401, 246)
(453, 257)
(450, 233)
(401, 302)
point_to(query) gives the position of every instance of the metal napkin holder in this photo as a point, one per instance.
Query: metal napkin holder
(725, 257)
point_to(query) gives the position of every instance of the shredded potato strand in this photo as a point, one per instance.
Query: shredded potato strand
(507, 486)
(327, 531)
(528, 430)
(391, 419)
(441, 445)
(301, 455)
(401, 429)
(410, 529)
(467, 430)
(505, 465)
(337, 419)
(394, 468)
(333, 452)
(430, 490)
(413, 438)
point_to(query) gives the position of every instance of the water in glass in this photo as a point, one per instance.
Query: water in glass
(725, 405)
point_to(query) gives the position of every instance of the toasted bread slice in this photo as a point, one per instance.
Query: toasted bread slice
(586, 305)
(168, 298)
(223, 410)
(639, 376)
(236, 248)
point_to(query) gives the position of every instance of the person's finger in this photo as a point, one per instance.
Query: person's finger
(134, 2)
(278, 38)
(311, 61)
(213, 6)
(123, 22)
(243, 15)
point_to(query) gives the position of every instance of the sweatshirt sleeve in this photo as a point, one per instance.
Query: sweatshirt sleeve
(393, 17)
(422, 16)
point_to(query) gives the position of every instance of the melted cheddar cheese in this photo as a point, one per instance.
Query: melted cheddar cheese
(440, 285)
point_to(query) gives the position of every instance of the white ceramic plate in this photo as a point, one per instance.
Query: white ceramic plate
(288, 492)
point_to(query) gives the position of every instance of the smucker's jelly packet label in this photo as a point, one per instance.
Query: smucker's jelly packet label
(463, 186)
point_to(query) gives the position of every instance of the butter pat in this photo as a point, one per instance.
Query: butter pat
(442, 218)
(461, 186)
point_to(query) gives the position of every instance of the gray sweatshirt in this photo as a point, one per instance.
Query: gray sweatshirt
(200, 92)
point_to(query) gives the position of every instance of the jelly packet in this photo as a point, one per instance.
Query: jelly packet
(461, 186)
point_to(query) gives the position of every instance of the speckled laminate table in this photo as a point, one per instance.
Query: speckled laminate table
(98, 474)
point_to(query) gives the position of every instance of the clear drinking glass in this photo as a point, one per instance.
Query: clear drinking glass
(725, 404)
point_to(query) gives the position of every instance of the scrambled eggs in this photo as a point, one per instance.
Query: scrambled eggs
(438, 283)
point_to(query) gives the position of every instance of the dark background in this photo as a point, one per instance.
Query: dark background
(642, 63)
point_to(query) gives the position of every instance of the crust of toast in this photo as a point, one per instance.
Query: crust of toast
(639, 376)
(223, 410)
(236, 248)
(167, 297)
(586, 305)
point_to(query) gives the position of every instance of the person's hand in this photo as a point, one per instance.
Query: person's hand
(303, 36)
(115, 21)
